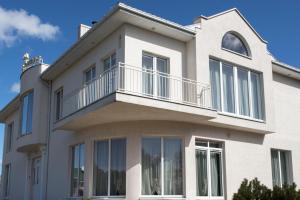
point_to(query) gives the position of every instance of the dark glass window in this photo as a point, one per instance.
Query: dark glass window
(234, 43)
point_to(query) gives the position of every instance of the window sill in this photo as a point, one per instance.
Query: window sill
(162, 197)
(240, 117)
(237, 53)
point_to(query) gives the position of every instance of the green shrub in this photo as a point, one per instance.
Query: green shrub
(254, 190)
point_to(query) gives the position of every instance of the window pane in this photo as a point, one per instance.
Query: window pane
(147, 75)
(228, 88)
(201, 167)
(286, 168)
(9, 137)
(106, 64)
(172, 167)
(215, 84)
(216, 173)
(256, 95)
(29, 114)
(75, 171)
(162, 77)
(275, 168)
(101, 168)
(81, 170)
(243, 91)
(151, 166)
(118, 167)
(201, 143)
(59, 96)
(113, 60)
(232, 42)
(7, 180)
(24, 114)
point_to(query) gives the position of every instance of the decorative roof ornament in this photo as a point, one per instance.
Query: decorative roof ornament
(31, 62)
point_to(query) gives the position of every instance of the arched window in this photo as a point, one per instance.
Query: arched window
(234, 43)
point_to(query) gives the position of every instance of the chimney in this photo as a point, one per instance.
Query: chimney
(82, 29)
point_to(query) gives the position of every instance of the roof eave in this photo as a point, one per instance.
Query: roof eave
(9, 108)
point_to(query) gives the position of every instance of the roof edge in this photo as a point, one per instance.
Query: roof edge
(9, 108)
(241, 15)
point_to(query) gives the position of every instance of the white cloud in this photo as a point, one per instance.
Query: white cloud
(15, 24)
(15, 88)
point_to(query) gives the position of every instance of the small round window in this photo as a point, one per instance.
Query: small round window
(233, 43)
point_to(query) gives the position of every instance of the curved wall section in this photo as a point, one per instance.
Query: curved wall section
(31, 82)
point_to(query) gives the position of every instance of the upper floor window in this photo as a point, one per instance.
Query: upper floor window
(109, 62)
(236, 90)
(27, 108)
(9, 136)
(58, 103)
(234, 43)
(90, 75)
(282, 170)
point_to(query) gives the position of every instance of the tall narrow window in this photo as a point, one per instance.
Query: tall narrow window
(6, 186)
(110, 168)
(109, 75)
(9, 136)
(58, 104)
(155, 76)
(162, 166)
(256, 93)
(209, 166)
(228, 89)
(282, 170)
(77, 176)
(27, 111)
(243, 92)
(215, 84)
(238, 90)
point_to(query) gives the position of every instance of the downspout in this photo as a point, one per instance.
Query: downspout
(49, 85)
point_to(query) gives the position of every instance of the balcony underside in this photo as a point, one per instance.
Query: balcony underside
(120, 107)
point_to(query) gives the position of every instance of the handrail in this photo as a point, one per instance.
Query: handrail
(141, 82)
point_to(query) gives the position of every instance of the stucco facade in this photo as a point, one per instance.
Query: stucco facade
(116, 104)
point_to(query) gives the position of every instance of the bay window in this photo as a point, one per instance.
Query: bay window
(236, 90)
(209, 168)
(282, 170)
(77, 172)
(162, 172)
(27, 111)
(110, 168)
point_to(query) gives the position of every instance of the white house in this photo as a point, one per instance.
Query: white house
(144, 108)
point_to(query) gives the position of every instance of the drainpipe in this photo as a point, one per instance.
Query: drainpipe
(49, 85)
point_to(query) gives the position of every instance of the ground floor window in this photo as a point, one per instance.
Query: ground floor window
(110, 167)
(77, 175)
(282, 172)
(162, 166)
(7, 173)
(209, 166)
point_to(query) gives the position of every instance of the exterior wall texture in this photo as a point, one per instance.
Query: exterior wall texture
(246, 146)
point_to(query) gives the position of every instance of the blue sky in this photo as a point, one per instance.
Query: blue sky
(53, 28)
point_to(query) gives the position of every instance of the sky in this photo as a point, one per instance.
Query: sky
(49, 27)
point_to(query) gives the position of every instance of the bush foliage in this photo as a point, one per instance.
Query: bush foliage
(254, 190)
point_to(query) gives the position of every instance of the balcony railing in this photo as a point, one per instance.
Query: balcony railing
(140, 82)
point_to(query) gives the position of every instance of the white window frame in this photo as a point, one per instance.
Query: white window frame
(208, 149)
(9, 137)
(162, 169)
(278, 151)
(236, 96)
(7, 180)
(109, 170)
(59, 116)
(155, 72)
(90, 69)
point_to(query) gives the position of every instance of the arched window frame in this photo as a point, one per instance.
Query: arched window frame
(243, 41)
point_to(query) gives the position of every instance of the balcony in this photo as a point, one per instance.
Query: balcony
(127, 93)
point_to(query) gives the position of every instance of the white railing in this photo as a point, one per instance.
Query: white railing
(141, 82)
